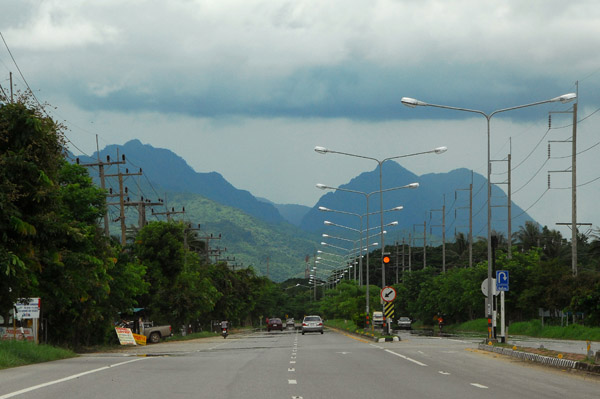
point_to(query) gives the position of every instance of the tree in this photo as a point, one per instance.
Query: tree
(31, 147)
(529, 236)
(180, 288)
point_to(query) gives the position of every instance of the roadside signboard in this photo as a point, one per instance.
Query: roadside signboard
(19, 333)
(139, 339)
(125, 336)
(28, 308)
(388, 294)
(501, 280)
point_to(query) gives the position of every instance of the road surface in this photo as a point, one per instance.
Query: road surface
(289, 365)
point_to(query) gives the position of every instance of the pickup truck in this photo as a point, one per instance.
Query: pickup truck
(155, 333)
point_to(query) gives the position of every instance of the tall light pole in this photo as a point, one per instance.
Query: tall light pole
(438, 150)
(411, 102)
(367, 195)
(360, 231)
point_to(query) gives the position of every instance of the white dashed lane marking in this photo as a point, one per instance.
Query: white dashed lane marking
(406, 358)
(479, 385)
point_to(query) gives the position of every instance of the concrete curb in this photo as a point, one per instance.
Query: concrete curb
(545, 360)
(390, 339)
(366, 335)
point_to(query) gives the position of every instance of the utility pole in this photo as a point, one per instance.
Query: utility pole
(410, 243)
(101, 166)
(121, 203)
(470, 217)
(142, 204)
(573, 222)
(402, 259)
(508, 205)
(208, 238)
(443, 226)
(169, 213)
(187, 229)
(424, 241)
(424, 244)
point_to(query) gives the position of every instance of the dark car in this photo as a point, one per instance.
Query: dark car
(274, 324)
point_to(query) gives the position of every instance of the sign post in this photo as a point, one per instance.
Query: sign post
(489, 302)
(502, 286)
(388, 294)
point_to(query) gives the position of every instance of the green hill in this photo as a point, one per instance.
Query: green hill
(251, 241)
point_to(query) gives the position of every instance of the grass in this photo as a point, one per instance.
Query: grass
(21, 353)
(533, 328)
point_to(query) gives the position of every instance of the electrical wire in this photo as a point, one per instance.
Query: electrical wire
(580, 152)
(532, 177)
(531, 206)
(579, 185)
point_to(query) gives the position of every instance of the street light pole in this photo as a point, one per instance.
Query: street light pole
(323, 150)
(360, 231)
(411, 102)
(367, 195)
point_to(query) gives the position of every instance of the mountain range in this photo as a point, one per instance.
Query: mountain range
(278, 239)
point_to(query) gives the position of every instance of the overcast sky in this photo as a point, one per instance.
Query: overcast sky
(248, 88)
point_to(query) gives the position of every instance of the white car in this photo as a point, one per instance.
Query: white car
(312, 324)
(404, 323)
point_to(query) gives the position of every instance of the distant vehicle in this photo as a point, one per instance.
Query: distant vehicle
(274, 324)
(155, 333)
(312, 324)
(290, 322)
(378, 319)
(404, 323)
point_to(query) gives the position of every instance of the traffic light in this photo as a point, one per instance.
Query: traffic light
(386, 259)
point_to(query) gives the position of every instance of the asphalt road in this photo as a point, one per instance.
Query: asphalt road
(290, 365)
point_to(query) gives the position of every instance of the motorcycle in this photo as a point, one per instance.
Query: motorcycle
(224, 333)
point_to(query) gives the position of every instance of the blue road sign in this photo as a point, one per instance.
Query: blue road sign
(501, 280)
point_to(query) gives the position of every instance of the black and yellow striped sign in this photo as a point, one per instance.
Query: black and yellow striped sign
(388, 310)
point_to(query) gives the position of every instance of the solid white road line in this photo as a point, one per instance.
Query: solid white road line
(33, 388)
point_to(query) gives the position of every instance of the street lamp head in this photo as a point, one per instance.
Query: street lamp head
(324, 243)
(411, 102)
(322, 208)
(325, 235)
(565, 98)
(398, 208)
(327, 223)
(394, 223)
(440, 150)
(413, 185)
(321, 150)
(322, 186)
